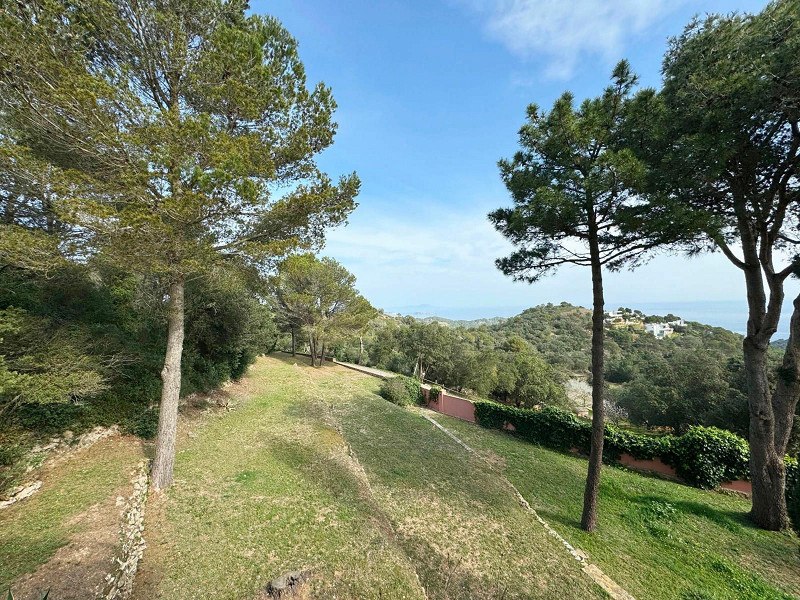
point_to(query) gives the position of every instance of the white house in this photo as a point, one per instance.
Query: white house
(659, 330)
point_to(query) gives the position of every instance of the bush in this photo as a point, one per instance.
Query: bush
(402, 391)
(146, 426)
(704, 456)
(52, 417)
(793, 492)
(434, 392)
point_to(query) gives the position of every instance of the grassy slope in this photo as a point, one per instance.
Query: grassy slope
(32, 530)
(271, 487)
(657, 539)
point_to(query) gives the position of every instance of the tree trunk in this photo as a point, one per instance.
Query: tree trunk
(360, 348)
(767, 472)
(771, 413)
(293, 346)
(322, 355)
(312, 349)
(170, 391)
(589, 518)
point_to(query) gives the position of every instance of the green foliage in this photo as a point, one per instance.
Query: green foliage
(318, 297)
(704, 456)
(49, 417)
(146, 425)
(401, 390)
(434, 392)
(525, 380)
(105, 326)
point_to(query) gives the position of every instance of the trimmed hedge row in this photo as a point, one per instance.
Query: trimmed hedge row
(703, 457)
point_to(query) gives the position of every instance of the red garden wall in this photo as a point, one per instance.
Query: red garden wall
(465, 409)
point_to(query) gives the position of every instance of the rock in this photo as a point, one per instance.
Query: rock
(287, 585)
(68, 435)
(21, 492)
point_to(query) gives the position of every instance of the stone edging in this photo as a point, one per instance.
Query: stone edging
(119, 582)
(613, 589)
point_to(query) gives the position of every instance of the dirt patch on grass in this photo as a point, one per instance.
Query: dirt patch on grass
(77, 570)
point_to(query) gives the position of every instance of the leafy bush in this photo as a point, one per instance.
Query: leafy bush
(52, 417)
(146, 426)
(402, 391)
(793, 492)
(704, 456)
(434, 392)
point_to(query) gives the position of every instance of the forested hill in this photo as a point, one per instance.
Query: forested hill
(562, 334)
(467, 324)
(693, 376)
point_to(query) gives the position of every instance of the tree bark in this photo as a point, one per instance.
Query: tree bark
(770, 425)
(312, 349)
(360, 348)
(589, 517)
(164, 462)
(293, 347)
(322, 355)
(768, 420)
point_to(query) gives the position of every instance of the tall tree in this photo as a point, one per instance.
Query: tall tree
(723, 140)
(570, 181)
(168, 128)
(320, 296)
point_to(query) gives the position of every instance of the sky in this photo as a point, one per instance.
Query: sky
(431, 93)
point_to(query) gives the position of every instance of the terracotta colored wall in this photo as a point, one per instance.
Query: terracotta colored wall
(745, 487)
(654, 464)
(451, 405)
(464, 409)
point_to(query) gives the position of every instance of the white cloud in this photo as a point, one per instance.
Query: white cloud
(561, 32)
(410, 253)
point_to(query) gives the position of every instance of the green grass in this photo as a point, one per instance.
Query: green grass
(657, 539)
(312, 470)
(32, 530)
(271, 487)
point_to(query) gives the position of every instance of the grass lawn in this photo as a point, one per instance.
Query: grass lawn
(272, 487)
(32, 530)
(656, 538)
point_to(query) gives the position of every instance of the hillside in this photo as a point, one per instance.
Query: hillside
(466, 324)
(652, 382)
(311, 471)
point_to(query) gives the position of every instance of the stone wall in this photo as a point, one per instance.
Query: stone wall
(119, 582)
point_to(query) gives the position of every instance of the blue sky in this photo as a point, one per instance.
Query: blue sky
(431, 94)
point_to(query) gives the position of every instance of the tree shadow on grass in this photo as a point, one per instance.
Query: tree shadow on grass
(732, 520)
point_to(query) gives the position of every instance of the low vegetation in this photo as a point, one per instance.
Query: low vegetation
(322, 474)
(401, 390)
(656, 538)
(75, 492)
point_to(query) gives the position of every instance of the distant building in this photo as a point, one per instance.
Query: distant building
(659, 330)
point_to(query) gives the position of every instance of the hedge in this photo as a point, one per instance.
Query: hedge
(402, 390)
(703, 457)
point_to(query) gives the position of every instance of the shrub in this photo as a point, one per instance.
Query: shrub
(707, 456)
(402, 391)
(52, 417)
(434, 392)
(146, 426)
(704, 456)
